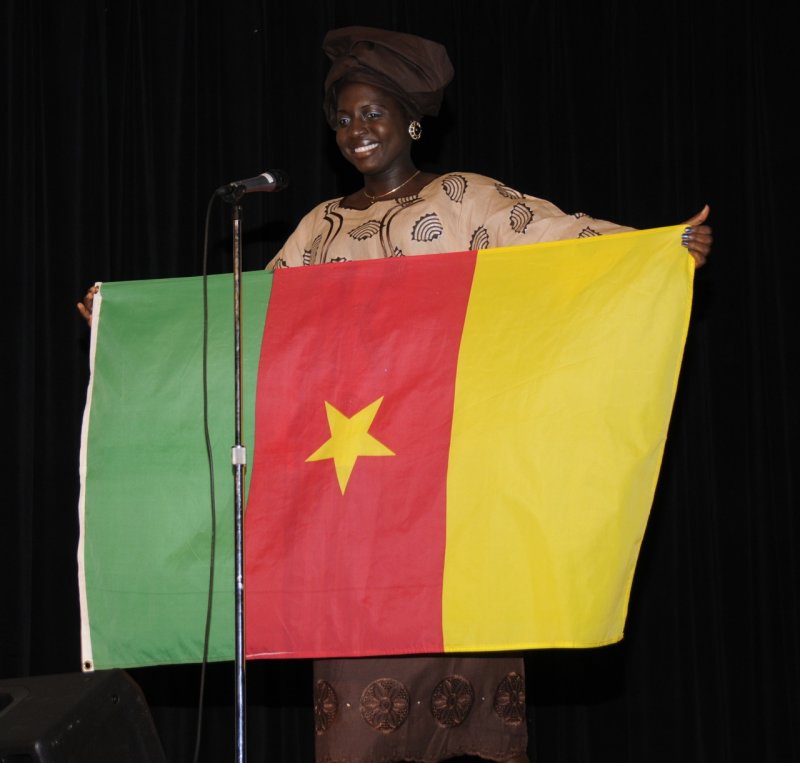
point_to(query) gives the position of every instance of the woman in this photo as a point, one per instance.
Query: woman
(379, 87)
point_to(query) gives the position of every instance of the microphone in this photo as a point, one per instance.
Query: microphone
(269, 182)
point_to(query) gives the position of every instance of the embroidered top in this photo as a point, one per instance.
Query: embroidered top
(455, 212)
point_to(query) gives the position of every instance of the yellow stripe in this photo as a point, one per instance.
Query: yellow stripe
(566, 377)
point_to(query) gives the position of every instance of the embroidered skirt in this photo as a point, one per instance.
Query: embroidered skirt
(376, 710)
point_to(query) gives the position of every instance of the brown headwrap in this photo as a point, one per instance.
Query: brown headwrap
(414, 70)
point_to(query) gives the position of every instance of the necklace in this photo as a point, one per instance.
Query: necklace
(381, 195)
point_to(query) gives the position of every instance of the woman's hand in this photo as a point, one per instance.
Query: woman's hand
(697, 237)
(85, 305)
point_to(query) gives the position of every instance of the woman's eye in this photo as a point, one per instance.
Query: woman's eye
(373, 115)
(343, 121)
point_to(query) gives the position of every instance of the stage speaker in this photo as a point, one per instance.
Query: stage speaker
(76, 718)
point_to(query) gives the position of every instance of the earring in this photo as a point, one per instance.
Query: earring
(415, 129)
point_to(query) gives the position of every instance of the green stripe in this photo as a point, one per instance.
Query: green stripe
(147, 507)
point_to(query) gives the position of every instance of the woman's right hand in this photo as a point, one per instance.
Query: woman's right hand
(85, 305)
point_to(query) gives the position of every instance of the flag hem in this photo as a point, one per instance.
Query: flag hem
(87, 662)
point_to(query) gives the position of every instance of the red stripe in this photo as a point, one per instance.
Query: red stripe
(361, 573)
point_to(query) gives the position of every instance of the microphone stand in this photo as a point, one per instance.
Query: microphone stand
(239, 461)
(273, 180)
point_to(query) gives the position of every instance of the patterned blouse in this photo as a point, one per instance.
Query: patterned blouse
(455, 212)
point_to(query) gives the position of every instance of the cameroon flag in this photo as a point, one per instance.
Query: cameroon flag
(452, 452)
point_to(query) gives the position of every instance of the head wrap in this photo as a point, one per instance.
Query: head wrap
(414, 70)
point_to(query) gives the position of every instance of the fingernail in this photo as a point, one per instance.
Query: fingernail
(685, 243)
(688, 229)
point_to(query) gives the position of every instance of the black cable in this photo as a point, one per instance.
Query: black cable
(210, 454)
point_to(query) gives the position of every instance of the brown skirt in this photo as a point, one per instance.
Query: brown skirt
(377, 710)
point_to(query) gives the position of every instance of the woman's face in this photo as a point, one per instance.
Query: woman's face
(372, 130)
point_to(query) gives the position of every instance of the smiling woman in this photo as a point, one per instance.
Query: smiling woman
(380, 86)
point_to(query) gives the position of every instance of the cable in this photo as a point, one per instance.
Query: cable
(212, 491)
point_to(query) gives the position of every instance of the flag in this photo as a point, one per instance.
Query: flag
(451, 453)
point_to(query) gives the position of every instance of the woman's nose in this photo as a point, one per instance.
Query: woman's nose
(358, 126)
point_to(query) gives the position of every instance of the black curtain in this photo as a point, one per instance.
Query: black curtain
(122, 116)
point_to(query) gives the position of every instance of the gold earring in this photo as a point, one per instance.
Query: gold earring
(415, 130)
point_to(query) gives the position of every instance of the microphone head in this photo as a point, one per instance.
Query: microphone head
(278, 179)
(267, 182)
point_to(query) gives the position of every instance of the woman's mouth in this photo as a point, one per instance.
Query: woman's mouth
(365, 149)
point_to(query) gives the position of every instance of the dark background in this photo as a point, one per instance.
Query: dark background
(120, 119)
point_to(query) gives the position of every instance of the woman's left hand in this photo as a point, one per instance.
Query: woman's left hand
(697, 237)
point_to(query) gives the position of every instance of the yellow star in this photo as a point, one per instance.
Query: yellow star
(350, 438)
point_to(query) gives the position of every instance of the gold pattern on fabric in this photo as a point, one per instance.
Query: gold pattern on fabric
(451, 701)
(365, 230)
(455, 186)
(480, 239)
(509, 193)
(520, 217)
(427, 228)
(326, 705)
(509, 700)
(385, 704)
